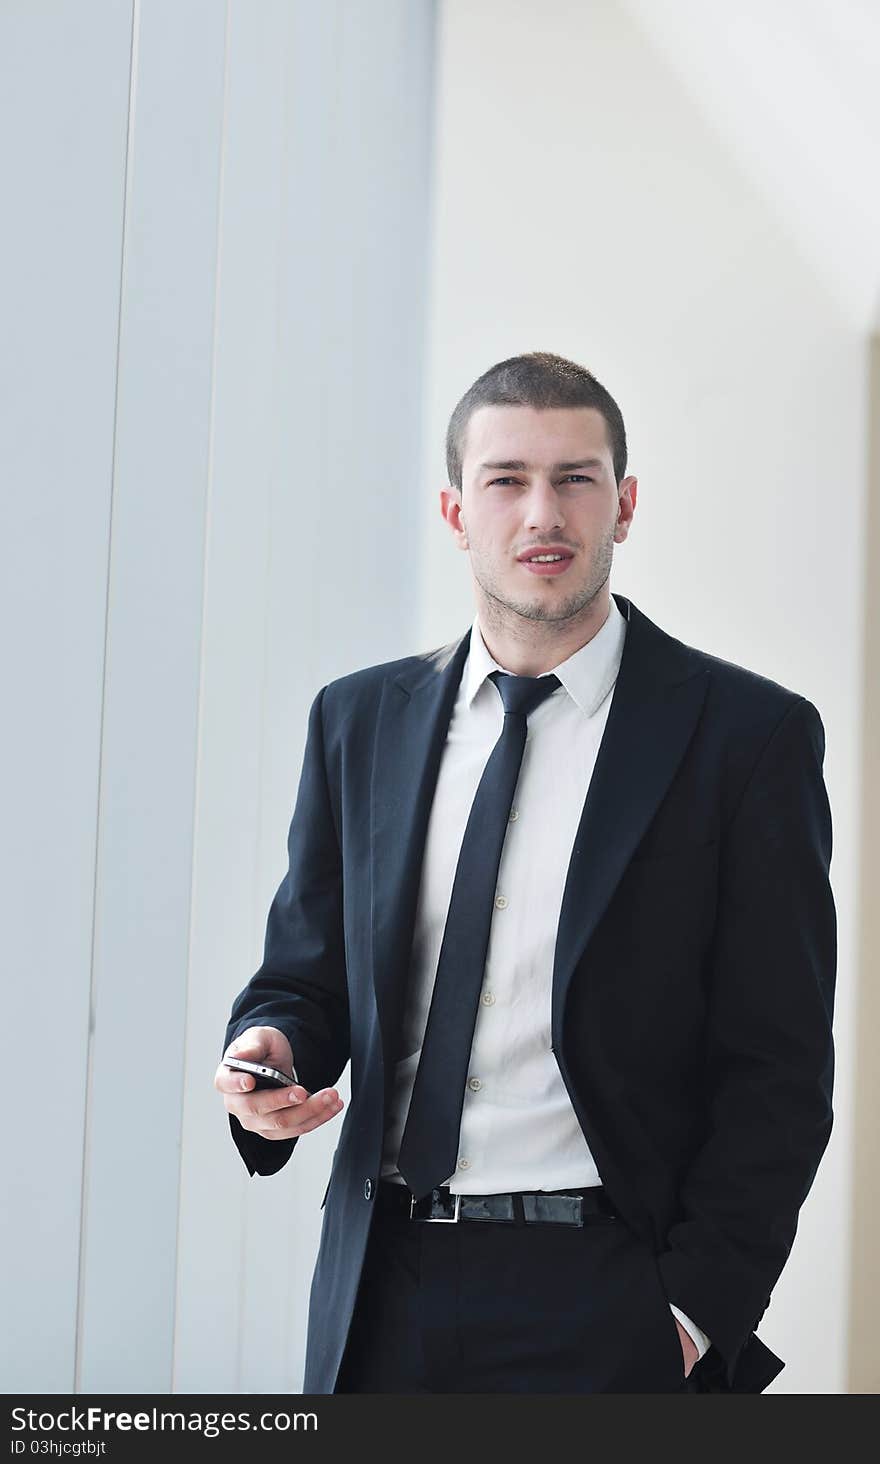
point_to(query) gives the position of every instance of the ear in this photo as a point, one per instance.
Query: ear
(626, 506)
(450, 508)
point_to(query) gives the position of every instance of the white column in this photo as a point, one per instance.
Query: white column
(149, 757)
(312, 570)
(64, 101)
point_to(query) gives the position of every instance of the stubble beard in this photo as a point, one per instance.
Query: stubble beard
(508, 613)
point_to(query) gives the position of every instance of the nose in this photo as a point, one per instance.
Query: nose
(543, 509)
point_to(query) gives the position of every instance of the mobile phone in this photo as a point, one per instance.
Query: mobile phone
(267, 1077)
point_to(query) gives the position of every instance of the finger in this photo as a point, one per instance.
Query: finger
(292, 1122)
(312, 1106)
(289, 1127)
(227, 1080)
(240, 1100)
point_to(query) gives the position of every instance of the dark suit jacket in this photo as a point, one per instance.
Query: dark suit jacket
(693, 981)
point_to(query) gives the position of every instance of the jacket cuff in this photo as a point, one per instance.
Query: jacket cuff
(261, 1156)
(718, 1300)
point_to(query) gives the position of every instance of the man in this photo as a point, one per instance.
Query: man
(560, 893)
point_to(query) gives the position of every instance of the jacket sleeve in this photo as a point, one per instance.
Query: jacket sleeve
(769, 1050)
(301, 987)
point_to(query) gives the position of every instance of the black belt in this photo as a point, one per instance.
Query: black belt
(533, 1207)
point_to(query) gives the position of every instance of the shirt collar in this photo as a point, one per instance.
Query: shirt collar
(588, 675)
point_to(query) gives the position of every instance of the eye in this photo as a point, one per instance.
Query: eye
(577, 477)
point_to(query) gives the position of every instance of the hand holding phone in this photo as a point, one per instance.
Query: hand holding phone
(261, 1089)
(262, 1052)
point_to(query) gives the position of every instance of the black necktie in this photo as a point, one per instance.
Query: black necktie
(429, 1146)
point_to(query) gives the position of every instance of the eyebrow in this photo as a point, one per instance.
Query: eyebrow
(516, 465)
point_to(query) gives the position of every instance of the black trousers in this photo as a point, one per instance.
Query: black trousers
(504, 1307)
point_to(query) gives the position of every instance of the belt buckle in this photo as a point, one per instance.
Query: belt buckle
(436, 1219)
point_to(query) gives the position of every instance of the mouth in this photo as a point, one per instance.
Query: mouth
(547, 562)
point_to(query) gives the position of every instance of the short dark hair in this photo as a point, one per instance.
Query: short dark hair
(538, 379)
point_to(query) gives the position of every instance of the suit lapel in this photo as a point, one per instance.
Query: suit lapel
(655, 705)
(411, 727)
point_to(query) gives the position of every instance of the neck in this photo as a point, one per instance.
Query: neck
(531, 647)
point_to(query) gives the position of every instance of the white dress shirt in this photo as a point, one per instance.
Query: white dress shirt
(519, 1130)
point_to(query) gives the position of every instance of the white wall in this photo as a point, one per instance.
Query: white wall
(585, 205)
(212, 388)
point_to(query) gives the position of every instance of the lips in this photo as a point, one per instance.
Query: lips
(547, 567)
(560, 549)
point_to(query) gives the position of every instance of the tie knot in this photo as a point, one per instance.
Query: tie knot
(521, 694)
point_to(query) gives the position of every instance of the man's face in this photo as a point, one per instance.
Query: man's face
(538, 481)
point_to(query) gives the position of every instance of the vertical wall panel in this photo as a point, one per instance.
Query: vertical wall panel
(145, 831)
(225, 929)
(312, 569)
(864, 1278)
(63, 119)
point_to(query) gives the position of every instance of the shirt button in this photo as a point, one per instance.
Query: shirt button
(513, 816)
(474, 1084)
(368, 1188)
(501, 902)
(487, 998)
(464, 1164)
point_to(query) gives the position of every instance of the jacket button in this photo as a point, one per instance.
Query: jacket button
(368, 1189)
